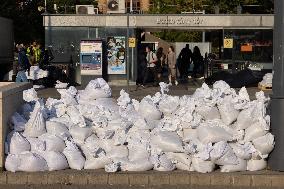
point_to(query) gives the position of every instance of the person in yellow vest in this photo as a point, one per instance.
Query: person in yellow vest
(37, 52)
(30, 54)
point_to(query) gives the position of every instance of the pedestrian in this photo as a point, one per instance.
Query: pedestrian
(197, 60)
(23, 64)
(160, 62)
(37, 53)
(151, 58)
(184, 59)
(141, 68)
(171, 61)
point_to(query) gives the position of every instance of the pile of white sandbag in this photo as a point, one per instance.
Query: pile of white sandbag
(267, 80)
(36, 73)
(213, 128)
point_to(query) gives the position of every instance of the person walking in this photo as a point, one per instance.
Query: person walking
(151, 58)
(171, 61)
(23, 65)
(197, 60)
(184, 59)
(160, 62)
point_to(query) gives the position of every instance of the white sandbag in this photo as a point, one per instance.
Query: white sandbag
(227, 111)
(118, 152)
(53, 143)
(138, 165)
(213, 134)
(12, 163)
(96, 89)
(30, 95)
(256, 165)
(97, 163)
(58, 129)
(19, 144)
(245, 119)
(179, 157)
(182, 166)
(67, 96)
(264, 144)
(243, 151)
(18, 122)
(55, 160)
(241, 166)
(112, 167)
(149, 110)
(36, 124)
(74, 156)
(202, 166)
(138, 152)
(37, 145)
(76, 116)
(208, 113)
(31, 162)
(169, 104)
(60, 85)
(162, 163)
(189, 134)
(167, 141)
(223, 154)
(256, 130)
(80, 133)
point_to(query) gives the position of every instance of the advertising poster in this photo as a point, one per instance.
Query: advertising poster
(91, 57)
(116, 55)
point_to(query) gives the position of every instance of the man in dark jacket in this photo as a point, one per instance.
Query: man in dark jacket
(23, 65)
(184, 61)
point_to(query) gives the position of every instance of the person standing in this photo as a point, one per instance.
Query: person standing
(160, 62)
(171, 61)
(151, 58)
(141, 68)
(23, 65)
(184, 60)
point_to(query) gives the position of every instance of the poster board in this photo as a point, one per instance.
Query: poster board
(228, 43)
(91, 57)
(116, 55)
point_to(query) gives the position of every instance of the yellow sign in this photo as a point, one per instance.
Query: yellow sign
(228, 43)
(132, 42)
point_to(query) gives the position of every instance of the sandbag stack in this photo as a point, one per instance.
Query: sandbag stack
(213, 128)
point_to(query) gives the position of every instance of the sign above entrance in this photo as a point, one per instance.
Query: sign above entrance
(180, 21)
(228, 43)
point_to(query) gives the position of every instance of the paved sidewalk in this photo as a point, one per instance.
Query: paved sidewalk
(150, 179)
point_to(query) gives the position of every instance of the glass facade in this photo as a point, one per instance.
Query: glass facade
(65, 45)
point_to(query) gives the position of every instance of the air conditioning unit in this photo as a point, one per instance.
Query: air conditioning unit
(85, 9)
(116, 6)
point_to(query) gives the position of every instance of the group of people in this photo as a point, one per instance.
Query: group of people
(25, 57)
(153, 64)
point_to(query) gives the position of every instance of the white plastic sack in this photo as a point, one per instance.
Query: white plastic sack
(149, 110)
(97, 163)
(162, 163)
(31, 162)
(112, 167)
(256, 130)
(245, 119)
(58, 129)
(208, 113)
(256, 165)
(189, 134)
(223, 154)
(80, 133)
(138, 153)
(37, 145)
(68, 96)
(96, 89)
(179, 158)
(182, 166)
(243, 151)
(202, 166)
(169, 104)
(264, 144)
(55, 160)
(227, 111)
(30, 95)
(36, 124)
(167, 141)
(138, 165)
(76, 116)
(60, 85)
(213, 134)
(241, 166)
(74, 156)
(12, 163)
(53, 143)
(118, 152)
(19, 144)
(18, 122)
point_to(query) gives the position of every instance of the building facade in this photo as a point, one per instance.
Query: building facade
(138, 6)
